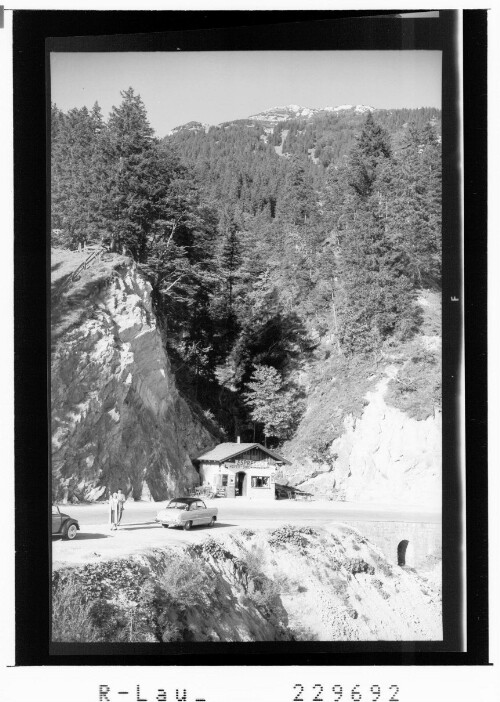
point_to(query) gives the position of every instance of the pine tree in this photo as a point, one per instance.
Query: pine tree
(375, 294)
(297, 201)
(76, 174)
(271, 403)
(132, 163)
(411, 189)
(372, 148)
(228, 258)
(129, 130)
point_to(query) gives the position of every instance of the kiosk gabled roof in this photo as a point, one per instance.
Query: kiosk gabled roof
(227, 450)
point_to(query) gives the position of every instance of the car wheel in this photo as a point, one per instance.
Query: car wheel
(187, 526)
(212, 522)
(69, 531)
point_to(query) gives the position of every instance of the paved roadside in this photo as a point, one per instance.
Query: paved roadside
(140, 532)
(95, 543)
(240, 508)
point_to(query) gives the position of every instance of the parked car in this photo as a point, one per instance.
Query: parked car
(186, 512)
(63, 525)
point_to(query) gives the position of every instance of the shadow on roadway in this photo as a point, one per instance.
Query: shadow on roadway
(87, 536)
(156, 525)
(206, 527)
(141, 525)
(82, 536)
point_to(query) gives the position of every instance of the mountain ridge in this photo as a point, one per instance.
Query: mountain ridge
(276, 114)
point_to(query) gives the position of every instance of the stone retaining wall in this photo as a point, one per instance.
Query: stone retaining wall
(424, 540)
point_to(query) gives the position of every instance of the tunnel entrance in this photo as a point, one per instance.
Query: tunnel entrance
(402, 546)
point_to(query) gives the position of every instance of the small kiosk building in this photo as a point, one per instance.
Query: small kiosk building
(240, 470)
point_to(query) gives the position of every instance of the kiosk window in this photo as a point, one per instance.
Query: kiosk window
(260, 481)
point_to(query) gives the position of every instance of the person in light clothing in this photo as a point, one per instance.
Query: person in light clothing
(113, 511)
(121, 505)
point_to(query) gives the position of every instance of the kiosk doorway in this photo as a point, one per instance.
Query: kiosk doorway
(240, 483)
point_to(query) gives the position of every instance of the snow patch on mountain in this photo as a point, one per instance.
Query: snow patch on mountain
(275, 115)
(330, 108)
(359, 109)
(279, 114)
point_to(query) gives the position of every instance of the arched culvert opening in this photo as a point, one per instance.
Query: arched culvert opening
(402, 546)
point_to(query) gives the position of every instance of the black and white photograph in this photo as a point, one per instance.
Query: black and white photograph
(246, 346)
(249, 288)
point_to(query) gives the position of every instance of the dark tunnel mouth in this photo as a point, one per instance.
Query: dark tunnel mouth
(402, 546)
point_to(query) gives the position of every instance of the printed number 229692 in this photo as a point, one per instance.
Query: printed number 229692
(338, 693)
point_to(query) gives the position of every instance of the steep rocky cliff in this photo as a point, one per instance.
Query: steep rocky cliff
(384, 456)
(118, 419)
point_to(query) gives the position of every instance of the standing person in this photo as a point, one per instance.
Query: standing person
(121, 505)
(113, 510)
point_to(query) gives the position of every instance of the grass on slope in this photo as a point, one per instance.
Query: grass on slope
(416, 389)
(70, 305)
(338, 385)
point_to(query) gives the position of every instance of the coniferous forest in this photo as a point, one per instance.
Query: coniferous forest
(258, 240)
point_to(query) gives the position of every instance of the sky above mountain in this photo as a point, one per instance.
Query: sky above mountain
(218, 86)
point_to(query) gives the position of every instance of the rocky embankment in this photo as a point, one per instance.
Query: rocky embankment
(118, 419)
(377, 424)
(283, 584)
(384, 456)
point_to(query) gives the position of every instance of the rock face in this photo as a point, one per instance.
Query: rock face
(372, 428)
(117, 417)
(384, 456)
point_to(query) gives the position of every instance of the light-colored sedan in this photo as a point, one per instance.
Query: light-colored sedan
(186, 512)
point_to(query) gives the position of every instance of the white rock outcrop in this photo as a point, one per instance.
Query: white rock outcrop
(384, 456)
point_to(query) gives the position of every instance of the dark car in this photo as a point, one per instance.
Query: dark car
(63, 525)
